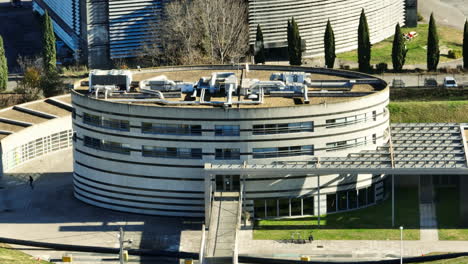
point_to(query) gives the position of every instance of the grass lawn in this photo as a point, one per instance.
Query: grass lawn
(461, 260)
(372, 223)
(428, 112)
(449, 38)
(447, 208)
(11, 256)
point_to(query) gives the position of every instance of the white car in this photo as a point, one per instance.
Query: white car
(449, 82)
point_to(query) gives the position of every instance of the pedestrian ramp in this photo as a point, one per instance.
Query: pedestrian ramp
(223, 228)
(428, 222)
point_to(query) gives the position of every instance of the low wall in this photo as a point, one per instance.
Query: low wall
(35, 141)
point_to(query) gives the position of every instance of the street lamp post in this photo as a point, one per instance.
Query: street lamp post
(122, 242)
(401, 244)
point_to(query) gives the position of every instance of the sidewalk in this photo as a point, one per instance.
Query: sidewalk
(344, 249)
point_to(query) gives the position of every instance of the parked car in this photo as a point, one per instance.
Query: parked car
(450, 82)
(397, 83)
(430, 82)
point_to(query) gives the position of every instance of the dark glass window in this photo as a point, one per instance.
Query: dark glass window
(115, 147)
(352, 199)
(284, 207)
(259, 208)
(331, 202)
(227, 154)
(92, 142)
(362, 197)
(116, 124)
(171, 129)
(268, 129)
(91, 119)
(272, 209)
(105, 145)
(345, 121)
(172, 153)
(227, 130)
(296, 207)
(308, 204)
(105, 122)
(262, 153)
(342, 200)
(371, 194)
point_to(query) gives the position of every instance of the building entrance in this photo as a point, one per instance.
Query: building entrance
(227, 183)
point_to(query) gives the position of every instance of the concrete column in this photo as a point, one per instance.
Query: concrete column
(464, 199)
(1, 163)
(208, 191)
(323, 204)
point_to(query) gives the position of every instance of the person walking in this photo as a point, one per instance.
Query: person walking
(31, 181)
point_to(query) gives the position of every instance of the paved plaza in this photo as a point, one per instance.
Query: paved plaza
(50, 213)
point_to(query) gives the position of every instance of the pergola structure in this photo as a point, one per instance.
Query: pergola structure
(413, 149)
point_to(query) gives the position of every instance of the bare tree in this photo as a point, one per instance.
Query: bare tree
(204, 31)
(228, 28)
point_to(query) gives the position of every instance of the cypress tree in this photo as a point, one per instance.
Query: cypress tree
(433, 52)
(294, 43)
(290, 43)
(49, 53)
(465, 46)
(364, 45)
(398, 50)
(329, 43)
(3, 67)
(259, 47)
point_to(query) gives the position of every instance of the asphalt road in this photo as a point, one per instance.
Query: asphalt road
(447, 12)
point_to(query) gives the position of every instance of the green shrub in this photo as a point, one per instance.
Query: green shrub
(454, 54)
(381, 67)
(420, 17)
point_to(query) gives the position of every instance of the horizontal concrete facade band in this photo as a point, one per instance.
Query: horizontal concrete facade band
(126, 135)
(134, 208)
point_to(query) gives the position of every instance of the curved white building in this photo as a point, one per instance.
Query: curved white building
(312, 16)
(148, 155)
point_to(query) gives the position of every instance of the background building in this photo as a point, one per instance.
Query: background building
(312, 16)
(102, 31)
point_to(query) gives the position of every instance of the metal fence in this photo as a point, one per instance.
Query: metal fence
(37, 148)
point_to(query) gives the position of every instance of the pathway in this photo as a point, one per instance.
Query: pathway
(223, 224)
(428, 222)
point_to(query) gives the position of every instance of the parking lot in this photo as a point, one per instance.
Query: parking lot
(425, 80)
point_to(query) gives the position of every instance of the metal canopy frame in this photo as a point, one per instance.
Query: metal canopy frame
(420, 148)
(417, 149)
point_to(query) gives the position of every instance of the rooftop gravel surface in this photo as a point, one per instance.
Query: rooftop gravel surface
(48, 108)
(20, 116)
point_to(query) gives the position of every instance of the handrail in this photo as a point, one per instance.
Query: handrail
(201, 256)
(392, 154)
(235, 254)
